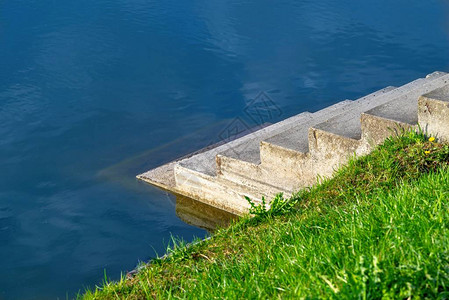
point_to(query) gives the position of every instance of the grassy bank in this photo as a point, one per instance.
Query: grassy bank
(379, 228)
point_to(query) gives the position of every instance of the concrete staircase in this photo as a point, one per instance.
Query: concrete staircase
(291, 154)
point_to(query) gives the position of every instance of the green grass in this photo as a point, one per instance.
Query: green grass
(378, 229)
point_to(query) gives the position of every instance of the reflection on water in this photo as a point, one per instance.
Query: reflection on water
(202, 215)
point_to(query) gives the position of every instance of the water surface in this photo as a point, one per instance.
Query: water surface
(94, 92)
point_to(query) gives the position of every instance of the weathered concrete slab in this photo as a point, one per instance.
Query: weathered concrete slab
(375, 129)
(403, 109)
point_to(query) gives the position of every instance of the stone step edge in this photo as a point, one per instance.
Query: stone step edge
(435, 75)
(267, 144)
(329, 109)
(359, 146)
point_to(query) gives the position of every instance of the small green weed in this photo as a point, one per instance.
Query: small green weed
(278, 206)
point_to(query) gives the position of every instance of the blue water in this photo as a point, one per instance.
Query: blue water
(94, 92)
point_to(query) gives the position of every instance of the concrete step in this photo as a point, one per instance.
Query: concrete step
(348, 124)
(244, 170)
(195, 175)
(291, 154)
(203, 186)
(393, 117)
(298, 140)
(250, 151)
(433, 112)
(215, 191)
(388, 119)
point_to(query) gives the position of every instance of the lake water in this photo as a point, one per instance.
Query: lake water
(94, 92)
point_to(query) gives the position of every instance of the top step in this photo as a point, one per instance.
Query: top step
(347, 124)
(297, 137)
(404, 109)
(250, 151)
